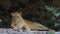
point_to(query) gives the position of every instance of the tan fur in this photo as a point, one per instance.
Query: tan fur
(18, 22)
(36, 25)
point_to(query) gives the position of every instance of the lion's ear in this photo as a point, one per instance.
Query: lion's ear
(20, 13)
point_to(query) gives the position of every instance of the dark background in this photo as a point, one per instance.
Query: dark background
(32, 10)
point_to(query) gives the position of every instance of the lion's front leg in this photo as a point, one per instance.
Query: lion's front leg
(13, 25)
(20, 26)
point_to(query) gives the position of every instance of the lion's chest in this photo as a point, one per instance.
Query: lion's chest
(17, 21)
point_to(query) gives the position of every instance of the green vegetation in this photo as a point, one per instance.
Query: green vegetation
(55, 13)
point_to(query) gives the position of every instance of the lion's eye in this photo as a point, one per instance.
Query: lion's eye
(15, 14)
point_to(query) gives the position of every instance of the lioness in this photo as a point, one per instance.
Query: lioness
(18, 22)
